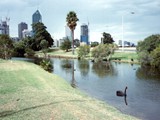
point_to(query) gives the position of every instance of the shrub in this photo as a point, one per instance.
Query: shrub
(83, 51)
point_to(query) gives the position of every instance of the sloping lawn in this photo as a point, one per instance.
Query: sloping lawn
(27, 92)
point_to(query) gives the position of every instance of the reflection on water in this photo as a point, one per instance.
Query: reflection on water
(84, 67)
(102, 81)
(148, 73)
(73, 81)
(66, 64)
(102, 69)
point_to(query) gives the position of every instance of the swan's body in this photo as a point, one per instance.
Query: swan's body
(121, 93)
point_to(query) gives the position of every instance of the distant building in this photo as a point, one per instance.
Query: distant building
(4, 28)
(126, 44)
(84, 38)
(21, 26)
(68, 33)
(36, 17)
(26, 33)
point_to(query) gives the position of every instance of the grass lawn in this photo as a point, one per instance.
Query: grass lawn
(126, 56)
(60, 53)
(27, 92)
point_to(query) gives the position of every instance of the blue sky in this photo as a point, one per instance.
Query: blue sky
(102, 15)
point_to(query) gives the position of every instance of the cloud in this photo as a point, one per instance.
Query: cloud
(99, 13)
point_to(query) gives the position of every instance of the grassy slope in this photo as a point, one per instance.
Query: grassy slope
(28, 92)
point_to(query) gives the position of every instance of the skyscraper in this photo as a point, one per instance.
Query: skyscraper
(21, 26)
(36, 17)
(84, 34)
(68, 33)
(4, 28)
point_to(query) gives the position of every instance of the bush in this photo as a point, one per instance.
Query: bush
(46, 64)
(149, 51)
(83, 51)
(103, 51)
(6, 47)
(155, 62)
(29, 52)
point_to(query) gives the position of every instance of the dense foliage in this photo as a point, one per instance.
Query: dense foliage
(66, 45)
(107, 38)
(149, 51)
(149, 43)
(40, 34)
(6, 47)
(41, 40)
(103, 51)
(83, 51)
(94, 44)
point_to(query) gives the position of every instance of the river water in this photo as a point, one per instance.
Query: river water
(102, 82)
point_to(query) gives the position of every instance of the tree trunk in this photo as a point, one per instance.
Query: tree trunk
(73, 42)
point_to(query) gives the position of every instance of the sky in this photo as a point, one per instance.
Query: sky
(102, 16)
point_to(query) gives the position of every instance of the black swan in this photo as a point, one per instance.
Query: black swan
(121, 93)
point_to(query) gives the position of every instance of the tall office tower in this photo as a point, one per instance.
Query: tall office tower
(84, 34)
(21, 26)
(36, 17)
(4, 28)
(68, 33)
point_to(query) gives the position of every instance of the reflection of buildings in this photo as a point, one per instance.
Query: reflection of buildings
(84, 34)
(21, 27)
(4, 27)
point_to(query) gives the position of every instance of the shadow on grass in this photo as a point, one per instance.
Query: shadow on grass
(12, 112)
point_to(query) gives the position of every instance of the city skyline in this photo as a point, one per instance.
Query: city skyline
(102, 16)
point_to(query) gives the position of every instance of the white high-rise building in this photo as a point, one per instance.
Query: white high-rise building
(68, 33)
(26, 33)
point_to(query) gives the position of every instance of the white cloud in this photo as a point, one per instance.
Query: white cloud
(99, 13)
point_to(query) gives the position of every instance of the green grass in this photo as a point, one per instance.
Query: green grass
(27, 92)
(125, 56)
(59, 53)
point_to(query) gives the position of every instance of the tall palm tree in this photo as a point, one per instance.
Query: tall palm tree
(71, 20)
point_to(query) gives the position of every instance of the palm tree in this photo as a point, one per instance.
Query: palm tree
(71, 20)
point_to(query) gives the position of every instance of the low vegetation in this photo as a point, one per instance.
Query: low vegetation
(29, 92)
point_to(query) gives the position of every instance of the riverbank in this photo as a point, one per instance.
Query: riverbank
(29, 92)
(126, 57)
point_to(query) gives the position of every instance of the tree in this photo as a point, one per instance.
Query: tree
(94, 44)
(66, 45)
(44, 46)
(6, 47)
(148, 50)
(26, 45)
(155, 54)
(103, 51)
(83, 51)
(40, 33)
(19, 49)
(149, 43)
(71, 20)
(107, 39)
